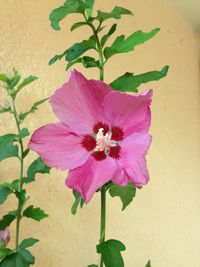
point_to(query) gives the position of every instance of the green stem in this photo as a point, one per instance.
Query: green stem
(100, 50)
(103, 189)
(103, 220)
(19, 209)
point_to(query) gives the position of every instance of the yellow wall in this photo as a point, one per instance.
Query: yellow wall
(163, 223)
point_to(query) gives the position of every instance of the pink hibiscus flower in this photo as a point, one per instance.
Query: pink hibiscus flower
(4, 237)
(102, 135)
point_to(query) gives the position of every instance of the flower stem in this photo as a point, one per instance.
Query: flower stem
(103, 189)
(19, 209)
(103, 220)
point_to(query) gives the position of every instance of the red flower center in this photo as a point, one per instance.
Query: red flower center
(104, 141)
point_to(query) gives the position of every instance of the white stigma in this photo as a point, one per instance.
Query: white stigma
(104, 142)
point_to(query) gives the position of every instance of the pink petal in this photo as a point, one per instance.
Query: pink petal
(121, 177)
(58, 147)
(132, 158)
(130, 112)
(88, 178)
(78, 103)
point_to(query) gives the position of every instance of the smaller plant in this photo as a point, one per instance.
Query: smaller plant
(12, 145)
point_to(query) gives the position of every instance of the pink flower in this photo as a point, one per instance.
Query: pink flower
(4, 237)
(102, 135)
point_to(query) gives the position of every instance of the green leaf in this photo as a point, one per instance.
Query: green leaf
(25, 153)
(78, 49)
(7, 148)
(107, 36)
(22, 258)
(88, 62)
(77, 25)
(37, 166)
(78, 201)
(7, 220)
(3, 77)
(125, 193)
(28, 242)
(5, 108)
(4, 193)
(24, 132)
(12, 82)
(116, 13)
(130, 82)
(25, 82)
(12, 186)
(4, 252)
(148, 264)
(34, 107)
(21, 196)
(57, 57)
(58, 14)
(34, 213)
(89, 7)
(122, 45)
(71, 63)
(93, 265)
(110, 251)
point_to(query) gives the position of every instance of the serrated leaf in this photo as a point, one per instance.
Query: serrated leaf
(25, 82)
(14, 80)
(111, 253)
(24, 132)
(4, 252)
(116, 13)
(4, 193)
(107, 36)
(78, 24)
(7, 148)
(78, 201)
(37, 166)
(34, 107)
(125, 45)
(28, 242)
(22, 258)
(70, 7)
(57, 57)
(7, 220)
(148, 264)
(130, 82)
(78, 49)
(125, 193)
(34, 213)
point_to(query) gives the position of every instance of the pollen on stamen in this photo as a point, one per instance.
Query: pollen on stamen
(89, 142)
(100, 125)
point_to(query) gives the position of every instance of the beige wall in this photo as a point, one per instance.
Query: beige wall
(163, 223)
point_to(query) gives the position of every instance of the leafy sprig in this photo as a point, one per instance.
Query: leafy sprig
(12, 146)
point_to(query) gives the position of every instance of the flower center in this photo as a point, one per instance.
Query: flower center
(104, 142)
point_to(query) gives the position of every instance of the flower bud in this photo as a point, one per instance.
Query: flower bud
(4, 238)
